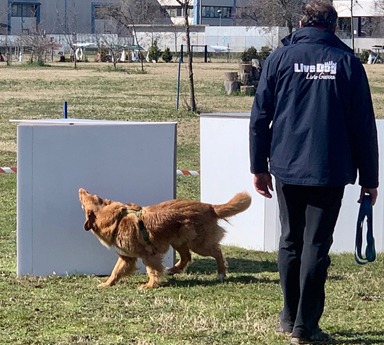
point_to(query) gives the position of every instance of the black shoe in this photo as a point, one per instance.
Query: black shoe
(319, 337)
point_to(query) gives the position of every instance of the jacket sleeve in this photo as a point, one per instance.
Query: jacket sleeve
(260, 121)
(365, 145)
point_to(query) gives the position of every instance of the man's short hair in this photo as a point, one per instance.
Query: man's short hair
(319, 13)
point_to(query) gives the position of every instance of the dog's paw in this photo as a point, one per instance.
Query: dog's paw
(150, 285)
(103, 285)
(169, 271)
(146, 286)
(221, 277)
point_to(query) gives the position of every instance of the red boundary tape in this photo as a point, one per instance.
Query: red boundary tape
(7, 170)
(188, 172)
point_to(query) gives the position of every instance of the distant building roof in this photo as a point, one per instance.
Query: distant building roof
(169, 3)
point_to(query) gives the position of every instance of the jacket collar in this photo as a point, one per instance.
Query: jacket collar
(310, 34)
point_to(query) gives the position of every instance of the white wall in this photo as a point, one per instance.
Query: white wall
(124, 161)
(225, 170)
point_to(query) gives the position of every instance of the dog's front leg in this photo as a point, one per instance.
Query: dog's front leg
(124, 266)
(155, 269)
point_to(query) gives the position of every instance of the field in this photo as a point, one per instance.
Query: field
(191, 308)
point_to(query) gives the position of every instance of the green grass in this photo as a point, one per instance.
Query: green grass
(191, 308)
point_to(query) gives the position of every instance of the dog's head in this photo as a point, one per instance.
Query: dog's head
(92, 205)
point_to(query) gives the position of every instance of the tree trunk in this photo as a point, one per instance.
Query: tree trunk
(190, 65)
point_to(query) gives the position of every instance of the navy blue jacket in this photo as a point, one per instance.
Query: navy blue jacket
(312, 120)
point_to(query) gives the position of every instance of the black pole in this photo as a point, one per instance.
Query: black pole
(205, 53)
(181, 52)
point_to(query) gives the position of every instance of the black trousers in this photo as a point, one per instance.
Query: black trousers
(308, 217)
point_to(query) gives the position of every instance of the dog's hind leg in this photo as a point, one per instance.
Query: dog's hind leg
(124, 266)
(155, 269)
(217, 254)
(221, 263)
(185, 259)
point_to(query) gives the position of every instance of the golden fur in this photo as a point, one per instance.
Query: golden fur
(147, 232)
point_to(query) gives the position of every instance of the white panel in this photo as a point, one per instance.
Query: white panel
(129, 162)
(225, 170)
(24, 198)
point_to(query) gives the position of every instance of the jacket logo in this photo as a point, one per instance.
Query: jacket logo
(326, 70)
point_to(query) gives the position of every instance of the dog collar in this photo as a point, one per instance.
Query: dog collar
(143, 229)
(137, 213)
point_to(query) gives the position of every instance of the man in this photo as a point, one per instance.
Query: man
(312, 127)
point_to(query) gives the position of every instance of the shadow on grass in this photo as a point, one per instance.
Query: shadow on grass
(358, 338)
(241, 271)
(235, 265)
(208, 281)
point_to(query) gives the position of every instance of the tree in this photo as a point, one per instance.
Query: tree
(167, 55)
(68, 25)
(112, 46)
(127, 13)
(5, 43)
(154, 53)
(380, 6)
(39, 44)
(71, 40)
(186, 5)
(270, 12)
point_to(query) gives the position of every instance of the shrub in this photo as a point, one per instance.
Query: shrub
(252, 53)
(167, 55)
(264, 52)
(154, 53)
(364, 55)
(249, 54)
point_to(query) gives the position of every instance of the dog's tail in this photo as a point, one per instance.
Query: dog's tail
(239, 203)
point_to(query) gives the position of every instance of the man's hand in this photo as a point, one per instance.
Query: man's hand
(371, 191)
(263, 184)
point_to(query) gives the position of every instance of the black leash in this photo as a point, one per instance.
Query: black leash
(365, 211)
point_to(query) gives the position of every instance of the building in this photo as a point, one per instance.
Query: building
(69, 17)
(361, 22)
(214, 12)
(22, 17)
(53, 16)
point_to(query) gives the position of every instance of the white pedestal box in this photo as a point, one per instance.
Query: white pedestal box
(124, 161)
(225, 170)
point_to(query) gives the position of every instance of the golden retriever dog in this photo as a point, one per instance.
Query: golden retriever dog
(147, 232)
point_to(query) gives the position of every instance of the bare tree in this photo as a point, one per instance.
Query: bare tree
(71, 41)
(379, 5)
(186, 6)
(127, 13)
(39, 44)
(67, 24)
(374, 25)
(115, 47)
(270, 12)
(5, 41)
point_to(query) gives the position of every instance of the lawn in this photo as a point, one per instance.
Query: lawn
(191, 308)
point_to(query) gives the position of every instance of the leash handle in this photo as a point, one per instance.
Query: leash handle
(365, 211)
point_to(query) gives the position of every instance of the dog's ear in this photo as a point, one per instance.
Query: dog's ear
(82, 194)
(89, 221)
